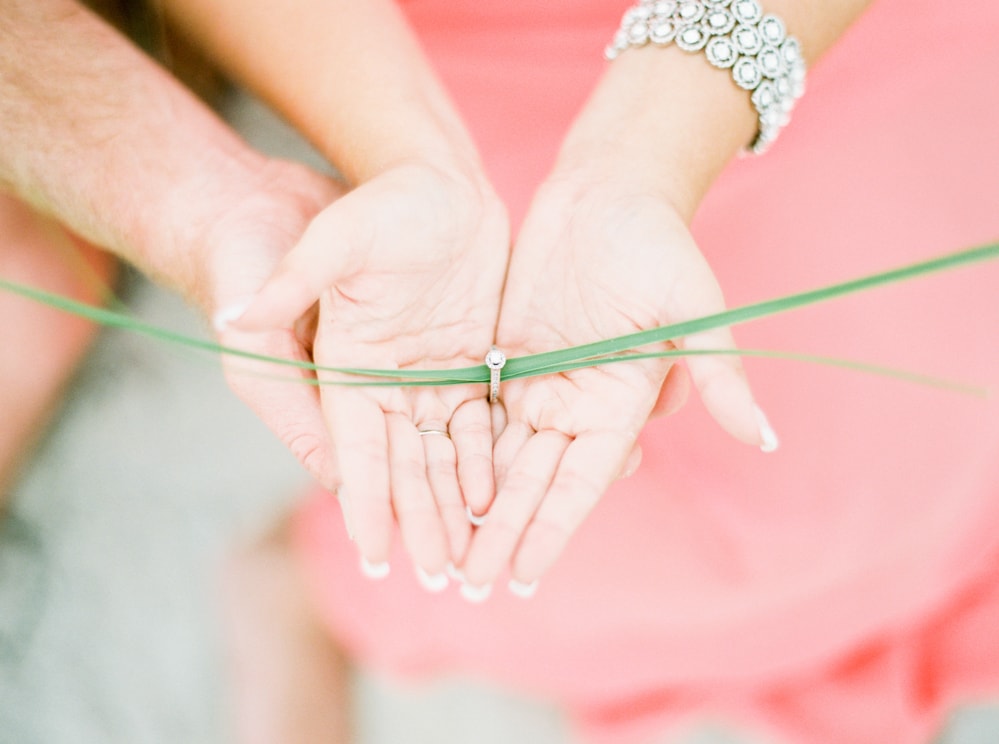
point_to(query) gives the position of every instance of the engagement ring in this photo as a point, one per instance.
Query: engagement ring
(495, 360)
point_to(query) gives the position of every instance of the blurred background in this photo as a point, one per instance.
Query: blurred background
(109, 556)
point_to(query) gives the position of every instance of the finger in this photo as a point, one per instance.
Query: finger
(283, 400)
(587, 469)
(724, 389)
(720, 380)
(674, 393)
(525, 486)
(309, 269)
(358, 430)
(419, 519)
(442, 472)
(472, 432)
(507, 447)
(498, 416)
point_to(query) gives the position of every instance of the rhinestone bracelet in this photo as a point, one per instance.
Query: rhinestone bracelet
(734, 35)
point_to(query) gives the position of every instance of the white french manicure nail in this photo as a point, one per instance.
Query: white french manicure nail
(477, 521)
(228, 314)
(524, 591)
(432, 583)
(767, 434)
(374, 570)
(476, 594)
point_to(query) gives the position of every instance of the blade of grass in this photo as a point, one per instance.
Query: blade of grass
(113, 319)
(546, 362)
(752, 312)
(943, 383)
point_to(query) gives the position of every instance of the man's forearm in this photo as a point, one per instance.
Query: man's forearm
(99, 136)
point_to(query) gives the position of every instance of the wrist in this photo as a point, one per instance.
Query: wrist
(664, 120)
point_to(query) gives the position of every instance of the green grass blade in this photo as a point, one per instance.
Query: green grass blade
(601, 352)
(942, 383)
(752, 312)
(114, 319)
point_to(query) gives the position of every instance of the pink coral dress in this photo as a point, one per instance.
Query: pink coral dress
(844, 589)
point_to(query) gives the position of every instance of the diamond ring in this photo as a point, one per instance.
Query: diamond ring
(495, 360)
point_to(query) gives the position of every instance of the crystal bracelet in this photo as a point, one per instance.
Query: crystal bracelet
(734, 35)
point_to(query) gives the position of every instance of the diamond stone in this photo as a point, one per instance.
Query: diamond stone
(721, 52)
(747, 40)
(747, 11)
(690, 11)
(663, 33)
(495, 359)
(691, 38)
(765, 96)
(636, 14)
(638, 33)
(772, 30)
(791, 51)
(746, 73)
(664, 7)
(719, 21)
(770, 62)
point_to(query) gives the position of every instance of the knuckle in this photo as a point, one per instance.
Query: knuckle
(580, 487)
(546, 531)
(442, 473)
(524, 482)
(410, 468)
(509, 527)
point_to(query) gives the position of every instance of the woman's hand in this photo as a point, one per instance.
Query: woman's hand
(599, 256)
(605, 251)
(407, 269)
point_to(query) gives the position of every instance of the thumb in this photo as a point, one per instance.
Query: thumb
(309, 269)
(720, 379)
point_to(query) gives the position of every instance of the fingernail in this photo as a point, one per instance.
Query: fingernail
(374, 570)
(524, 591)
(476, 594)
(345, 511)
(223, 317)
(454, 572)
(432, 582)
(770, 441)
(477, 521)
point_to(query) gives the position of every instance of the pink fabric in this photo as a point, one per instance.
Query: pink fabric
(846, 588)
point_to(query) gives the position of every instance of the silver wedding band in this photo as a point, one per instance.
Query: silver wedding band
(495, 360)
